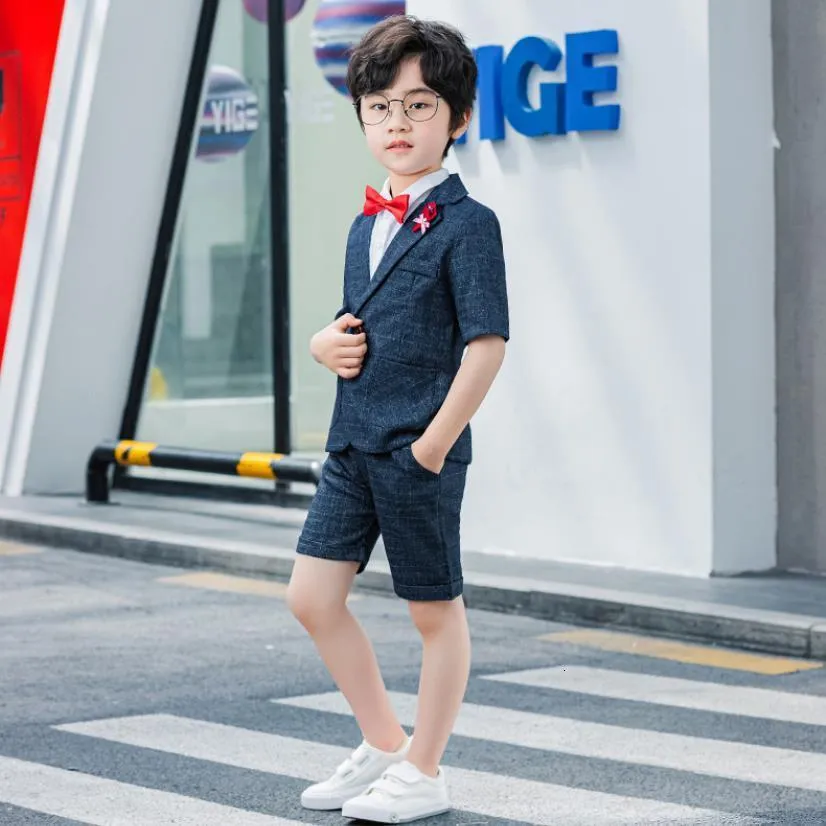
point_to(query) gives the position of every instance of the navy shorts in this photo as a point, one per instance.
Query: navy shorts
(416, 511)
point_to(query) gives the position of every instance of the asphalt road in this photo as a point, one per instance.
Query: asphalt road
(140, 695)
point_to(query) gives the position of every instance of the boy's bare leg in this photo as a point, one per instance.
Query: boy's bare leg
(317, 596)
(445, 670)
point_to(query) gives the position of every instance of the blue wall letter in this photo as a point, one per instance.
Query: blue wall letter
(584, 79)
(491, 114)
(548, 119)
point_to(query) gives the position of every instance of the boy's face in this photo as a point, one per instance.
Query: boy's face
(408, 148)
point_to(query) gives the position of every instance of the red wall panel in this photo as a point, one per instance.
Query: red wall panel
(28, 42)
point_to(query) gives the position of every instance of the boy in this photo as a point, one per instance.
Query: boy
(424, 279)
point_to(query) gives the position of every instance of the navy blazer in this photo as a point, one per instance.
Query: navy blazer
(430, 296)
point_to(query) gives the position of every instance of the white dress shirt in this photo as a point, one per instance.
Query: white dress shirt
(386, 226)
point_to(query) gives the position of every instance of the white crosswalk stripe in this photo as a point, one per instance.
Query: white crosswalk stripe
(483, 793)
(718, 758)
(90, 799)
(745, 701)
(103, 802)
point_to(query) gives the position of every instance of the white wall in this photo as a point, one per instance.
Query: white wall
(111, 124)
(597, 443)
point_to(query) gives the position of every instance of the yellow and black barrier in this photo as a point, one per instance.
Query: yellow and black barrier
(274, 466)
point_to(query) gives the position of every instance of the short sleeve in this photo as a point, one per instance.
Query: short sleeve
(477, 278)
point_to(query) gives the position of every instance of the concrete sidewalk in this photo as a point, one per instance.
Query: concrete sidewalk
(781, 614)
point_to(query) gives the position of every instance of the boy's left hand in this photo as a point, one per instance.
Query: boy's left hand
(429, 456)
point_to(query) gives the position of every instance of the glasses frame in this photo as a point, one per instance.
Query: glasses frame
(389, 113)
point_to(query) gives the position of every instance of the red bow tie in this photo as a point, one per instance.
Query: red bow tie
(375, 203)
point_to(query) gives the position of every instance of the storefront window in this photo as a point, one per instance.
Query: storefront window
(329, 166)
(210, 383)
(211, 380)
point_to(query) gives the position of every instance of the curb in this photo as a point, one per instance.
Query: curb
(753, 629)
(818, 642)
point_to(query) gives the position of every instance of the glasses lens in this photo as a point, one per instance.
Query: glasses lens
(373, 109)
(421, 106)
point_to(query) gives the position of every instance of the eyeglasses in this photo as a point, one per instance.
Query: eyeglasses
(420, 105)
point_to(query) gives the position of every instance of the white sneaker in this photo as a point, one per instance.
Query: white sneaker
(352, 777)
(400, 795)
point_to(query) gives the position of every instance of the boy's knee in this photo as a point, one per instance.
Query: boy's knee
(301, 603)
(431, 617)
(310, 608)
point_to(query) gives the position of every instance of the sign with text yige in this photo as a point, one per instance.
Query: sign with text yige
(563, 107)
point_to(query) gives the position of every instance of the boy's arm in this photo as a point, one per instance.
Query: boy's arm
(477, 281)
(473, 380)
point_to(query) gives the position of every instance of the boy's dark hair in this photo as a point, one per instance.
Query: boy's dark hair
(448, 66)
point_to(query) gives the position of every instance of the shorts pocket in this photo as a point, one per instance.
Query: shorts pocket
(409, 462)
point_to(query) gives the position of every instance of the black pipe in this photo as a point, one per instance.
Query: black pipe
(190, 120)
(146, 454)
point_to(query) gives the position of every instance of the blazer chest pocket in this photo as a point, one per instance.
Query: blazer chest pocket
(419, 267)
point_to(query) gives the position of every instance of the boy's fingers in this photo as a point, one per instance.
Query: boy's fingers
(351, 352)
(348, 372)
(350, 339)
(351, 362)
(348, 320)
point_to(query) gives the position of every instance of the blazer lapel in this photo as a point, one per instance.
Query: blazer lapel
(450, 191)
(359, 261)
(404, 240)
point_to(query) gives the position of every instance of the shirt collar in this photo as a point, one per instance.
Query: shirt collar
(423, 185)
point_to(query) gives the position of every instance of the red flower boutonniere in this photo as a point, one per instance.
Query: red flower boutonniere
(422, 223)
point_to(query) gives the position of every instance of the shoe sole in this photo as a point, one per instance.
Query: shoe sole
(358, 813)
(330, 803)
(320, 806)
